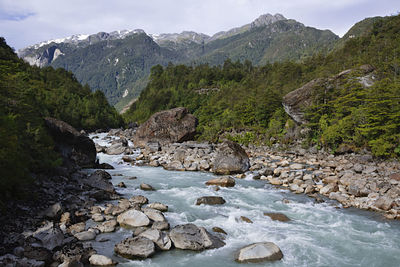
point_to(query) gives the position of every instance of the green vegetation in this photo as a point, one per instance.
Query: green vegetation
(243, 101)
(27, 95)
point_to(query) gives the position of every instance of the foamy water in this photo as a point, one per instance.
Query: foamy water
(317, 235)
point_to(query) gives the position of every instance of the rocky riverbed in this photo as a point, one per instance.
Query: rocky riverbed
(353, 180)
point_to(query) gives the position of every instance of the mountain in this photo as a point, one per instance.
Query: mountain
(118, 63)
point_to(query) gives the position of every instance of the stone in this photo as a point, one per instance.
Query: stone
(161, 239)
(210, 200)
(165, 127)
(395, 176)
(296, 166)
(158, 206)
(230, 159)
(223, 181)
(107, 226)
(74, 146)
(121, 185)
(86, 235)
(49, 235)
(126, 158)
(219, 230)
(330, 180)
(160, 225)
(139, 199)
(133, 218)
(245, 219)
(326, 190)
(296, 188)
(277, 216)
(146, 187)
(77, 228)
(275, 181)
(53, 211)
(358, 168)
(191, 237)
(9, 260)
(116, 149)
(154, 215)
(384, 203)
(100, 179)
(101, 260)
(104, 166)
(97, 217)
(259, 252)
(135, 247)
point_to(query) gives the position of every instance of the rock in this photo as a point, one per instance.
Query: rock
(135, 247)
(153, 146)
(107, 226)
(395, 176)
(219, 230)
(230, 159)
(38, 253)
(100, 179)
(296, 166)
(358, 168)
(116, 149)
(127, 159)
(326, 190)
(384, 203)
(50, 236)
(133, 218)
(160, 225)
(77, 228)
(223, 181)
(191, 237)
(154, 215)
(65, 218)
(9, 260)
(245, 219)
(53, 211)
(331, 180)
(97, 217)
(275, 181)
(104, 166)
(159, 238)
(86, 235)
(121, 185)
(169, 126)
(100, 260)
(277, 216)
(139, 199)
(158, 206)
(210, 200)
(146, 187)
(72, 145)
(259, 252)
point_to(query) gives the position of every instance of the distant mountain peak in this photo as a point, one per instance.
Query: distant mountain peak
(267, 19)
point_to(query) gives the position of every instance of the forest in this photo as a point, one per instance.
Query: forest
(245, 100)
(28, 95)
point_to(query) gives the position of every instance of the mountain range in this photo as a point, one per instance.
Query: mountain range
(118, 63)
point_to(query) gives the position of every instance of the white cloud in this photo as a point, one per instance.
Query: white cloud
(25, 22)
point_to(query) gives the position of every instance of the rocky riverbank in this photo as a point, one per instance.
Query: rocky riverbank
(354, 180)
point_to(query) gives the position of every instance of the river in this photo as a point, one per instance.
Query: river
(319, 234)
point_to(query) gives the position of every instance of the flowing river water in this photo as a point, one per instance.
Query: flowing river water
(319, 234)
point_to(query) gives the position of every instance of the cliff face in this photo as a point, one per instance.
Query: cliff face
(315, 91)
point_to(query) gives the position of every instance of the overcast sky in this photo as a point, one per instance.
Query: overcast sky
(27, 22)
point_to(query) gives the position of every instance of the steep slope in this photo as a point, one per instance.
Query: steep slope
(118, 63)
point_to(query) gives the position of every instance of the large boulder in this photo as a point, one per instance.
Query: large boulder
(210, 200)
(191, 237)
(72, 145)
(258, 252)
(100, 179)
(169, 126)
(135, 247)
(231, 158)
(49, 235)
(161, 239)
(133, 218)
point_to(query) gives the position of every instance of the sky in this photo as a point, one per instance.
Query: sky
(27, 22)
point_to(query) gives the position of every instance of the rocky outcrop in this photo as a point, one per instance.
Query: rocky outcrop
(191, 237)
(259, 252)
(298, 100)
(231, 158)
(170, 126)
(72, 145)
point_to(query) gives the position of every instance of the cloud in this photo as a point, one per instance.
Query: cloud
(25, 22)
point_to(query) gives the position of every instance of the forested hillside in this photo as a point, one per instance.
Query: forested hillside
(248, 98)
(28, 95)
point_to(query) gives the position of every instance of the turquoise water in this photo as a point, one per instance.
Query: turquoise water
(317, 235)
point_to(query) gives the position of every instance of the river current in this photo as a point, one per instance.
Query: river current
(319, 234)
